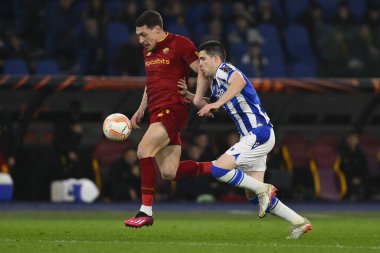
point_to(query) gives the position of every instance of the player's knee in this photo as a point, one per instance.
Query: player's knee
(143, 151)
(218, 172)
(168, 175)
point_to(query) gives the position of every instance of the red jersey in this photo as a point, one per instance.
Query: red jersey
(164, 66)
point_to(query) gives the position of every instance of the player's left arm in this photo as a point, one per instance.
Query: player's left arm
(189, 54)
(236, 85)
(202, 84)
(182, 85)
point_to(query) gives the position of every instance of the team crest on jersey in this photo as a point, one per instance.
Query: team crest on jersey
(226, 68)
(165, 50)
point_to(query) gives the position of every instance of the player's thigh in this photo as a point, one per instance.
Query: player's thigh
(226, 162)
(168, 159)
(154, 140)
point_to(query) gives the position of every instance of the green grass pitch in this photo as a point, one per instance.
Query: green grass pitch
(103, 231)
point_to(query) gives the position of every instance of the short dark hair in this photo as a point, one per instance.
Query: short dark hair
(213, 47)
(150, 18)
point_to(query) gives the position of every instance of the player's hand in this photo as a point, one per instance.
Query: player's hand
(208, 109)
(136, 118)
(182, 85)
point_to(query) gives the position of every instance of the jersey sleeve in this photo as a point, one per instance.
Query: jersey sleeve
(188, 52)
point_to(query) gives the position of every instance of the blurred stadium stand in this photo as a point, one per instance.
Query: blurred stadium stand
(320, 77)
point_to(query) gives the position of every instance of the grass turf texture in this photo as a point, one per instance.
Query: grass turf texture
(183, 232)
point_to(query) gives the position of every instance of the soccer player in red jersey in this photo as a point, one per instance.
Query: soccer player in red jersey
(168, 58)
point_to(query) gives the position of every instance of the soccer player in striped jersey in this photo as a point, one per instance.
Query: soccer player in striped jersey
(244, 164)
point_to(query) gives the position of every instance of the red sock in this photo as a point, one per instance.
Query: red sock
(148, 179)
(189, 168)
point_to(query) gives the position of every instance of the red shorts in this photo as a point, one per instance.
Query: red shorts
(174, 119)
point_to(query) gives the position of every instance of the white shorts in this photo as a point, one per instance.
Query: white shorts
(249, 153)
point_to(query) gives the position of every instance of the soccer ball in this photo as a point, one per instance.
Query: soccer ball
(116, 127)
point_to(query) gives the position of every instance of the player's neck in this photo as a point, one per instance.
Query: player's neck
(162, 36)
(216, 69)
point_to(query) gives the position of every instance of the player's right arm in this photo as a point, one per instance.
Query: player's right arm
(139, 114)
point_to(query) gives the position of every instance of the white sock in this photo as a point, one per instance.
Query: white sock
(286, 213)
(147, 209)
(238, 178)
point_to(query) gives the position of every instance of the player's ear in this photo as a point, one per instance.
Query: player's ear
(157, 28)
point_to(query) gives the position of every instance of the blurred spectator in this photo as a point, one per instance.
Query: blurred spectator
(201, 188)
(96, 10)
(202, 141)
(343, 18)
(129, 60)
(277, 172)
(7, 159)
(332, 53)
(92, 46)
(266, 15)
(67, 137)
(313, 20)
(371, 29)
(242, 32)
(215, 12)
(128, 14)
(215, 29)
(372, 17)
(124, 177)
(2, 53)
(255, 58)
(60, 33)
(354, 166)
(17, 48)
(241, 10)
(360, 54)
(31, 23)
(150, 5)
(230, 138)
(174, 13)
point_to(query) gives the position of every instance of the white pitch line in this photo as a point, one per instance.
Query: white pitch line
(278, 245)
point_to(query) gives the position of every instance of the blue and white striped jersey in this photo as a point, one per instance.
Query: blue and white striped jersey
(245, 108)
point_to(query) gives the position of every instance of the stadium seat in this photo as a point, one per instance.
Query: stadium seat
(179, 29)
(16, 66)
(277, 8)
(275, 68)
(199, 31)
(104, 154)
(79, 8)
(113, 7)
(298, 44)
(371, 149)
(117, 34)
(237, 50)
(329, 7)
(296, 152)
(47, 67)
(294, 8)
(329, 180)
(302, 70)
(247, 70)
(357, 8)
(195, 13)
(271, 37)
